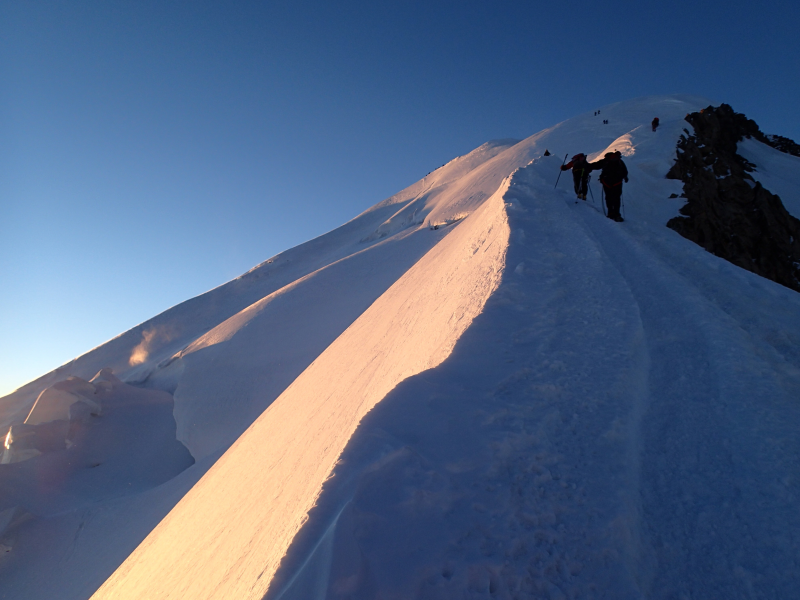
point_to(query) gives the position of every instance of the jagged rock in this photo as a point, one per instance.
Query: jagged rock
(784, 144)
(727, 212)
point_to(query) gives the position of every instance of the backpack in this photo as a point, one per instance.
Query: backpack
(614, 170)
(579, 162)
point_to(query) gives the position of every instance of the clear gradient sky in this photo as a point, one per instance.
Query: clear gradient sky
(153, 150)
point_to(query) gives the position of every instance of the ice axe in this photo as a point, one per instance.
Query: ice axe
(560, 171)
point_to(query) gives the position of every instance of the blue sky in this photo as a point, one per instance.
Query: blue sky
(153, 150)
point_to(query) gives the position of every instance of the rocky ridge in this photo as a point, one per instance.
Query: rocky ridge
(783, 144)
(727, 212)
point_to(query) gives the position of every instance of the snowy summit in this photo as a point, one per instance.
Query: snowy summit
(481, 387)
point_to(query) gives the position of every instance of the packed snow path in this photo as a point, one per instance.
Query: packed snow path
(620, 422)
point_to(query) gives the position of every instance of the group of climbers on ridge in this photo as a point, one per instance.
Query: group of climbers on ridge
(613, 173)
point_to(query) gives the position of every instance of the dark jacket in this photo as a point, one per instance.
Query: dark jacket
(577, 164)
(614, 170)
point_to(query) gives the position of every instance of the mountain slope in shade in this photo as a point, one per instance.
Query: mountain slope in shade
(528, 401)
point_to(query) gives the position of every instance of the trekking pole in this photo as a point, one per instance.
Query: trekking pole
(589, 185)
(560, 171)
(603, 200)
(622, 202)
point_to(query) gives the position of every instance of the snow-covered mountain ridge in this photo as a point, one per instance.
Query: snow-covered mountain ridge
(528, 401)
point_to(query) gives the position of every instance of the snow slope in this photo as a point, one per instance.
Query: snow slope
(777, 172)
(295, 443)
(619, 422)
(530, 401)
(137, 354)
(223, 357)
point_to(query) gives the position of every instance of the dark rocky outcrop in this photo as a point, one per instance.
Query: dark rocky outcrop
(726, 211)
(783, 144)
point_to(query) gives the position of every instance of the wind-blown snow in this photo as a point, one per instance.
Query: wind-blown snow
(529, 401)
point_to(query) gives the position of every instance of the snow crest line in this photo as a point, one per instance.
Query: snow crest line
(226, 537)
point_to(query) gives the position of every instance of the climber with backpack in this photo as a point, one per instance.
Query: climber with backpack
(580, 174)
(614, 172)
(655, 123)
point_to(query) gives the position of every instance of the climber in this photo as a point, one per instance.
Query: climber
(655, 123)
(580, 174)
(614, 172)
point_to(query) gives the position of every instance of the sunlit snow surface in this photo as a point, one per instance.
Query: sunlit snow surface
(561, 406)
